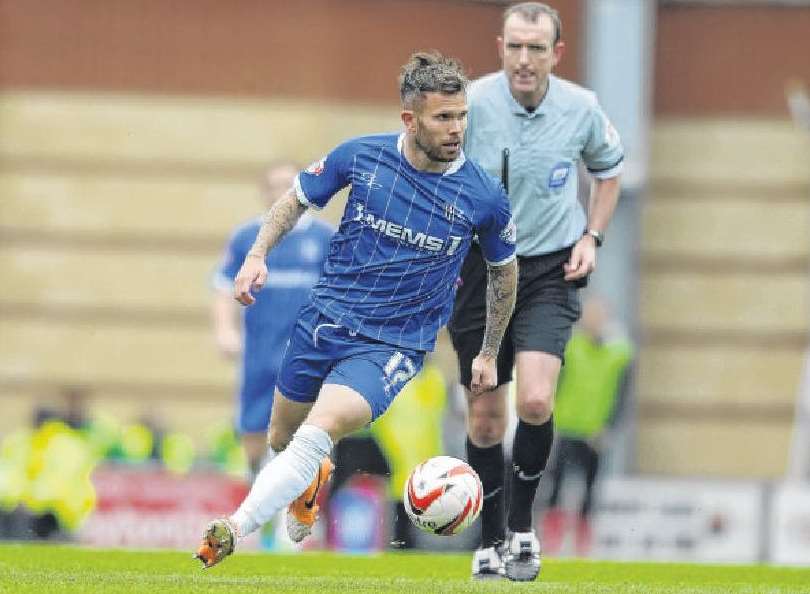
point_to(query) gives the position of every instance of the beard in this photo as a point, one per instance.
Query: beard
(432, 151)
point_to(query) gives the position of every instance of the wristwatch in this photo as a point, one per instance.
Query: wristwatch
(598, 236)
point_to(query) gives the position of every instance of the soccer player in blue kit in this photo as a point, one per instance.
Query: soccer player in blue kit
(387, 288)
(260, 334)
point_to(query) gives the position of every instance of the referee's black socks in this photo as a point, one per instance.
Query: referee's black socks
(530, 454)
(488, 463)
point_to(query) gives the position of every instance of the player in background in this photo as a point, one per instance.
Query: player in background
(258, 335)
(798, 100)
(388, 286)
(548, 126)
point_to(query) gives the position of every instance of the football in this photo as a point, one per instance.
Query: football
(443, 495)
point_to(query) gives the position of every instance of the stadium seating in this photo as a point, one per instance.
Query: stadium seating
(113, 213)
(724, 296)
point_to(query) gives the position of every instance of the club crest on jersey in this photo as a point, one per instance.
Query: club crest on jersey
(559, 175)
(317, 167)
(369, 179)
(509, 233)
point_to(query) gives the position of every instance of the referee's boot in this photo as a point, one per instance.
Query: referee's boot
(487, 564)
(521, 556)
(303, 512)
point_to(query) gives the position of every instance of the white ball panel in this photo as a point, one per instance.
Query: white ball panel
(445, 485)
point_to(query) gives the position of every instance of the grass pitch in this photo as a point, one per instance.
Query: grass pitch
(27, 568)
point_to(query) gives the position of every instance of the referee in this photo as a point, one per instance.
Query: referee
(532, 129)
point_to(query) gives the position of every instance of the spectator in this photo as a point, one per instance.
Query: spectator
(591, 386)
(798, 102)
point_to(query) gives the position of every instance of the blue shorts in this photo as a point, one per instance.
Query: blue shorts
(256, 400)
(322, 352)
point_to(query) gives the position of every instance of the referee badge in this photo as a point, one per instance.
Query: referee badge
(559, 175)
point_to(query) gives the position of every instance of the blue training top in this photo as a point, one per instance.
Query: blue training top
(394, 261)
(294, 266)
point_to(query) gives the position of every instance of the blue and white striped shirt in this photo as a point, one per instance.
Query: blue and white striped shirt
(393, 264)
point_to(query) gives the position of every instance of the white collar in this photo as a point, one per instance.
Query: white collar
(454, 166)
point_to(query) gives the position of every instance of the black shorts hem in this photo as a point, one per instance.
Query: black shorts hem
(467, 345)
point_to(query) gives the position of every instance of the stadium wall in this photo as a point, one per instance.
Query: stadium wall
(728, 60)
(346, 50)
(341, 47)
(724, 296)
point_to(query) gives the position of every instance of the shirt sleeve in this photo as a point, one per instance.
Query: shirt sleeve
(497, 232)
(604, 153)
(316, 184)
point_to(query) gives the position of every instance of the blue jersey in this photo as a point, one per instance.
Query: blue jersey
(294, 267)
(394, 261)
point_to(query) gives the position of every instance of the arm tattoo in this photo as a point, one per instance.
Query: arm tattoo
(501, 293)
(276, 222)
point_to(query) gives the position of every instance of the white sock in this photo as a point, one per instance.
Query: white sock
(269, 455)
(283, 479)
(254, 472)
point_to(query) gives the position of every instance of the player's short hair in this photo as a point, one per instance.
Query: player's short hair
(430, 72)
(531, 12)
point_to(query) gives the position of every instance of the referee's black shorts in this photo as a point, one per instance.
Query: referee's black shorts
(547, 307)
